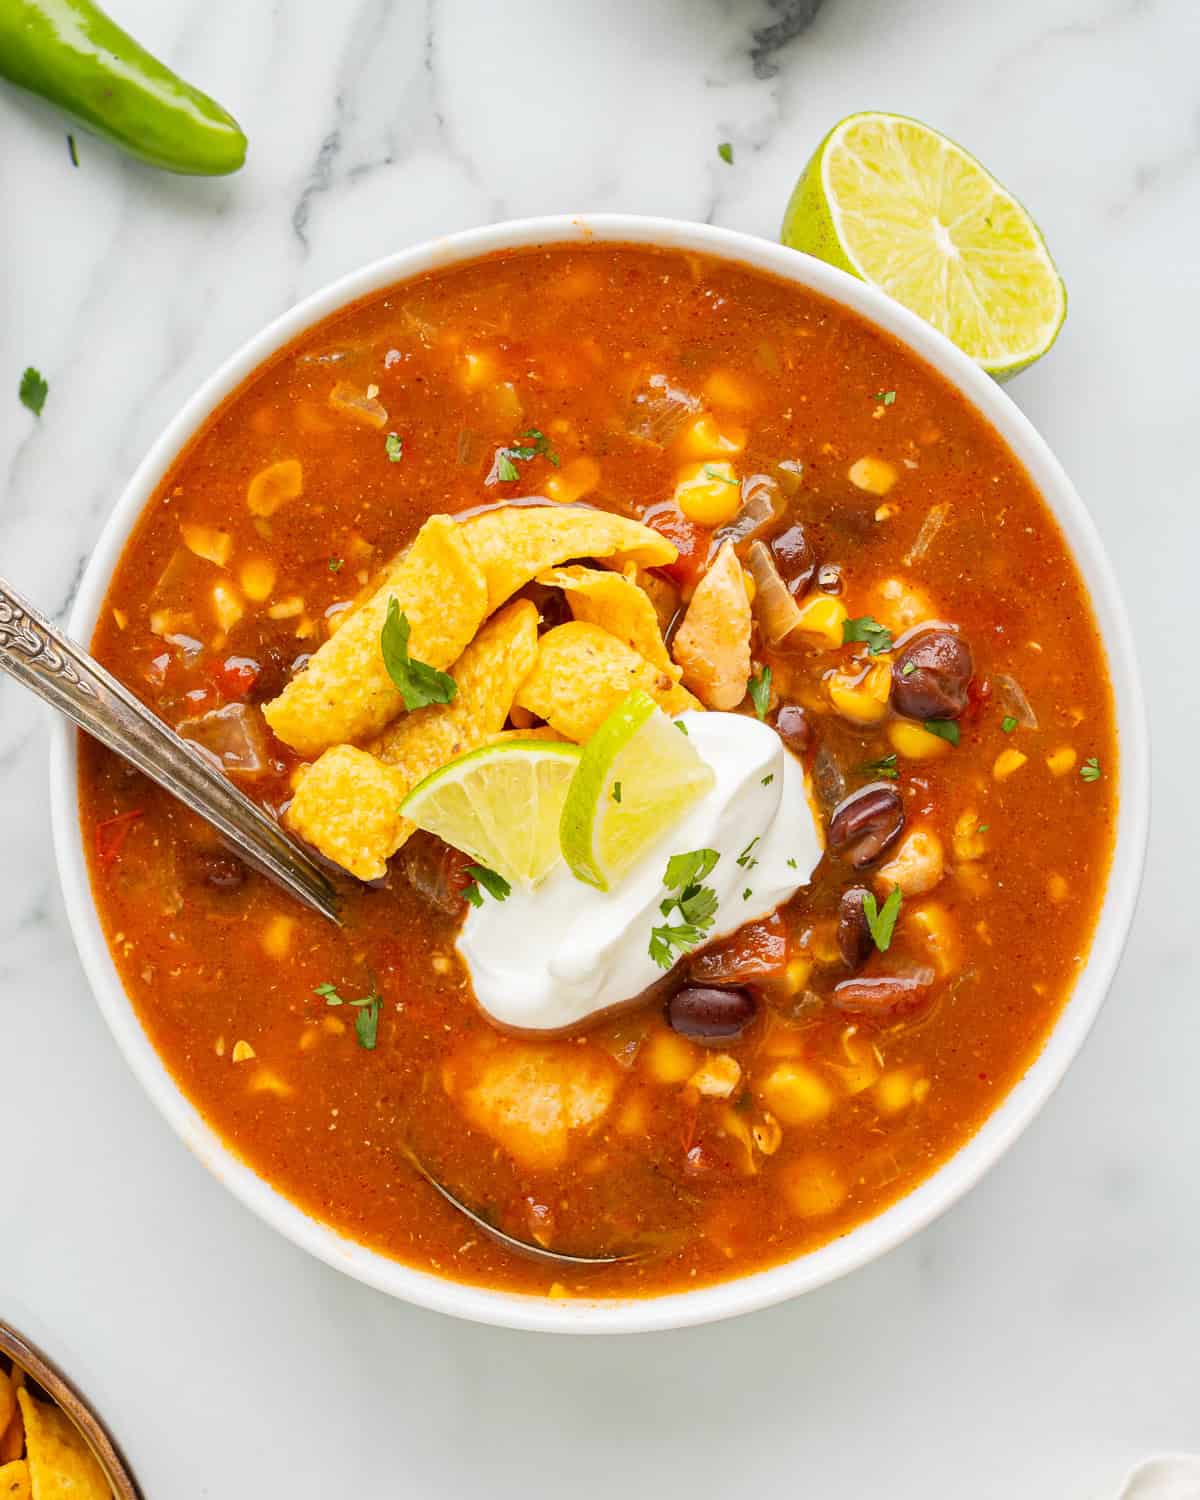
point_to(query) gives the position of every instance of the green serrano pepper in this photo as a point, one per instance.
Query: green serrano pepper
(69, 52)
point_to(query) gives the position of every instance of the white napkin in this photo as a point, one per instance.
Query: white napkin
(1174, 1476)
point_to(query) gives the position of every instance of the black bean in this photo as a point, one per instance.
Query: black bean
(795, 557)
(707, 1014)
(853, 935)
(930, 676)
(793, 728)
(866, 824)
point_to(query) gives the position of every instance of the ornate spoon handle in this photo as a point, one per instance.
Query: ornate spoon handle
(66, 677)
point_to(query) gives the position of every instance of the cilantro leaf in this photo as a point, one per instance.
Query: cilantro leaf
(747, 893)
(504, 469)
(33, 391)
(884, 766)
(72, 151)
(759, 689)
(882, 923)
(418, 682)
(682, 728)
(886, 398)
(473, 895)
(711, 473)
(1007, 724)
(366, 1022)
(541, 446)
(945, 729)
(687, 869)
(495, 885)
(1090, 770)
(867, 629)
(695, 903)
(616, 791)
(336, 564)
(768, 779)
(328, 993)
(745, 859)
(393, 446)
(725, 152)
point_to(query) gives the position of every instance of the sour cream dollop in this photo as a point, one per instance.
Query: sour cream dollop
(546, 959)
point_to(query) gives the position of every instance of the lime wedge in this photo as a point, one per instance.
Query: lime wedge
(501, 805)
(901, 206)
(636, 777)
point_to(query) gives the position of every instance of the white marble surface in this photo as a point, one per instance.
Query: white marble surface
(1044, 1335)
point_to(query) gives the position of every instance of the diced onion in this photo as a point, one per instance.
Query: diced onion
(658, 410)
(762, 505)
(930, 527)
(1010, 695)
(776, 611)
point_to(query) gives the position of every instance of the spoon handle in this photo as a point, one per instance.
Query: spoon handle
(38, 656)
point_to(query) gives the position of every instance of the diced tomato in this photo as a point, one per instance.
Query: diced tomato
(156, 671)
(111, 836)
(979, 697)
(756, 953)
(235, 676)
(691, 540)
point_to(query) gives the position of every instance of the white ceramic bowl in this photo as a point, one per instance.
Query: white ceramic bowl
(911, 1213)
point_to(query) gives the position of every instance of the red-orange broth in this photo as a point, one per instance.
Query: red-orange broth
(837, 1112)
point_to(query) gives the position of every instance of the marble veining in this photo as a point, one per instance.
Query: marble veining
(1041, 1339)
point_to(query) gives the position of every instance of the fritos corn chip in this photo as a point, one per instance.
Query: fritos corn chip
(345, 693)
(61, 1465)
(516, 543)
(14, 1481)
(348, 803)
(614, 601)
(582, 673)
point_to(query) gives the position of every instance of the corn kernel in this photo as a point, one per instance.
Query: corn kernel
(1057, 888)
(900, 605)
(1061, 761)
(886, 512)
(914, 742)
(207, 542)
(920, 1091)
(668, 1058)
(243, 1052)
(861, 697)
(219, 1047)
(274, 486)
(703, 437)
(277, 936)
(796, 1095)
(725, 388)
(334, 1025)
(822, 943)
(821, 620)
(258, 579)
(874, 475)
(573, 480)
(1007, 763)
(768, 1135)
(708, 494)
(796, 975)
(286, 609)
(893, 1093)
(558, 1291)
(717, 1076)
(813, 1187)
(934, 926)
(263, 1081)
(121, 618)
(309, 1038)
(476, 368)
(633, 1119)
(861, 1068)
(974, 878)
(969, 842)
(227, 607)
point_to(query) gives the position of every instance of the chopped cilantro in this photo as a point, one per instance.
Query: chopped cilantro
(328, 993)
(983, 828)
(792, 865)
(865, 628)
(886, 398)
(504, 469)
(884, 766)
(1008, 724)
(682, 728)
(1090, 770)
(945, 729)
(71, 149)
(473, 895)
(768, 779)
(908, 669)
(882, 923)
(393, 446)
(33, 391)
(695, 903)
(418, 682)
(746, 860)
(366, 1022)
(336, 564)
(495, 885)
(759, 689)
(616, 791)
(725, 152)
(747, 893)
(711, 473)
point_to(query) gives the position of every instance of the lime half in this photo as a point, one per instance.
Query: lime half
(901, 206)
(637, 776)
(501, 805)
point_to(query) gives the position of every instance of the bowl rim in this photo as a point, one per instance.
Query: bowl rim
(933, 1196)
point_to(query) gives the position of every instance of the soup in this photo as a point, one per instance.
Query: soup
(823, 539)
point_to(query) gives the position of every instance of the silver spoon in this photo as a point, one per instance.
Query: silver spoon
(63, 675)
(510, 1242)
